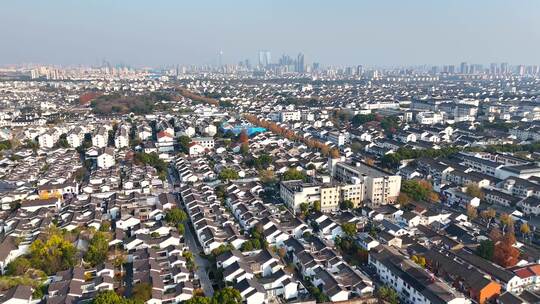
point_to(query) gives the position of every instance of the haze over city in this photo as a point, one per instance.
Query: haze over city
(381, 33)
(269, 152)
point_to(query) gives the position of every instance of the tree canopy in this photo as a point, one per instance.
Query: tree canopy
(393, 160)
(474, 191)
(360, 119)
(183, 143)
(388, 294)
(124, 104)
(175, 216)
(152, 159)
(142, 292)
(227, 174)
(110, 297)
(97, 248)
(227, 295)
(349, 229)
(486, 249)
(417, 189)
(54, 254)
(505, 254)
(293, 174)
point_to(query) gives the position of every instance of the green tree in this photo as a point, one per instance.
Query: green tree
(62, 142)
(392, 160)
(39, 292)
(190, 260)
(244, 149)
(97, 249)
(142, 291)
(105, 226)
(110, 297)
(227, 295)
(293, 174)
(474, 191)
(228, 174)
(53, 255)
(486, 249)
(263, 161)
(317, 206)
(304, 208)
(267, 176)
(18, 267)
(349, 229)
(415, 189)
(181, 228)
(152, 159)
(388, 294)
(222, 249)
(390, 124)
(183, 143)
(319, 296)
(30, 144)
(199, 300)
(360, 119)
(80, 174)
(346, 204)
(175, 216)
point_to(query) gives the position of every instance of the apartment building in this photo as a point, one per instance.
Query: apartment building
(412, 283)
(524, 171)
(285, 116)
(337, 138)
(121, 139)
(48, 139)
(101, 137)
(429, 118)
(205, 142)
(330, 195)
(379, 186)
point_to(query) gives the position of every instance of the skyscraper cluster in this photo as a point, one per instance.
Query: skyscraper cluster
(265, 58)
(285, 63)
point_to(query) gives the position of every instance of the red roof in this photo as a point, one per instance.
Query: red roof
(163, 134)
(524, 273)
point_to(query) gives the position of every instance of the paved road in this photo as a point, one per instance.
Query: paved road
(128, 279)
(202, 264)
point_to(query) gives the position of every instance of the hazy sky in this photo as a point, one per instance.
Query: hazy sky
(159, 32)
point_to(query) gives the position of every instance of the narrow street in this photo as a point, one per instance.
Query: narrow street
(201, 263)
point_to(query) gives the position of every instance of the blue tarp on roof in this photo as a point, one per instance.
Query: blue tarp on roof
(237, 129)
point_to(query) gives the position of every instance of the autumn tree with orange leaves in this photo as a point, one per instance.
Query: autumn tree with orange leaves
(506, 255)
(244, 138)
(334, 153)
(290, 134)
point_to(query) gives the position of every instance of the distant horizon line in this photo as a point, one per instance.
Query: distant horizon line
(173, 65)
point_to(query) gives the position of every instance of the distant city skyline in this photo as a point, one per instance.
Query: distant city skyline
(344, 33)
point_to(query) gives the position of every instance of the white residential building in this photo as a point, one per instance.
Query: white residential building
(429, 118)
(379, 187)
(205, 142)
(48, 139)
(106, 158)
(412, 283)
(285, 116)
(100, 138)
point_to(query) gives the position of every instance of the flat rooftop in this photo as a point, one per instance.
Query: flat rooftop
(364, 169)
